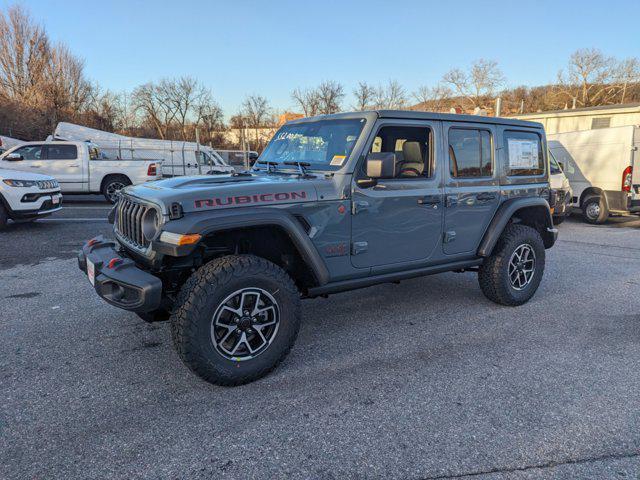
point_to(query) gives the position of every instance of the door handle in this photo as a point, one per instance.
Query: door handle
(359, 206)
(73, 165)
(452, 200)
(483, 197)
(432, 202)
(34, 166)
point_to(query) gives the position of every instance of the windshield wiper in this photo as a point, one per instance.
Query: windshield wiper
(269, 164)
(301, 166)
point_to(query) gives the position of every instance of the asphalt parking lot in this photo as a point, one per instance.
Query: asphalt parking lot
(422, 380)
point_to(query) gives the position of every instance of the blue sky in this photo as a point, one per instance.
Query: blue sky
(269, 48)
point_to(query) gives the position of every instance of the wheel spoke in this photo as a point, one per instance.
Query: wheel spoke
(244, 302)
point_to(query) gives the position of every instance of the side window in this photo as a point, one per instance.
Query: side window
(554, 168)
(524, 153)
(412, 147)
(470, 153)
(30, 152)
(94, 153)
(62, 152)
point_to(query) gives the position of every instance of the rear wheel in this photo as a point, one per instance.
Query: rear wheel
(112, 185)
(594, 210)
(512, 274)
(236, 319)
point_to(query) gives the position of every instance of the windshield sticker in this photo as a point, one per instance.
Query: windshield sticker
(523, 154)
(337, 160)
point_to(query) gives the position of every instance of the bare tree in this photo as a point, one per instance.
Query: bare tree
(588, 79)
(433, 98)
(391, 96)
(156, 105)
(24, 56)
(364, 95)
(256, 114)
(479, 85)
(308, 101)
(628, 72)
(330, 95)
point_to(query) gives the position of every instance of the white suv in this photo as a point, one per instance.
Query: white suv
(27, 196)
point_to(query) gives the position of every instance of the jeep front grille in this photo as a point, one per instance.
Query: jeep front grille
(128, 224)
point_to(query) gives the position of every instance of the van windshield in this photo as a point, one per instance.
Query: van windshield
(323, 144)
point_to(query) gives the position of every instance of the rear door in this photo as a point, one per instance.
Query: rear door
(63, 162)
(472, 190)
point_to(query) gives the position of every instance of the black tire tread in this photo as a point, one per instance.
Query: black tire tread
(191, 299)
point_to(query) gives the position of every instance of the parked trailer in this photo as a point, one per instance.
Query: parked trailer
(178, 158)
(599, 164)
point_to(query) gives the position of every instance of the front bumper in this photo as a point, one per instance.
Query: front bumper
(117, 279)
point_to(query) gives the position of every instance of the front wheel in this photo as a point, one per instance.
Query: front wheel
(236, 319)
(512, 274)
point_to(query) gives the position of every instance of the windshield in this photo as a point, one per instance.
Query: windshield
(325, 143)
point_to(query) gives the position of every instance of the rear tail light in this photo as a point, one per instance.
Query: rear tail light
(153, 170)
(626, 179)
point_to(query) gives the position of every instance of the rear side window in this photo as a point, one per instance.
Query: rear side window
(524, 153)
(470, 153)
(62, 152)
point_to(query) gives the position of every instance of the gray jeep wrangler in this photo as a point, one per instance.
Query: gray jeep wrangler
(334, 203)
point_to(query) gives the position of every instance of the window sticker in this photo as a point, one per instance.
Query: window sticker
(523, 154)
(337, 160)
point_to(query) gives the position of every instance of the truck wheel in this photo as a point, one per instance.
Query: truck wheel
(112, 186)
(3, 217)
(235, 320)
(511, 275)
(595, 211)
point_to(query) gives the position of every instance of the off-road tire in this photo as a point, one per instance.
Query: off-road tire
(111, 181)
(203, 293)
(3, 217)
(603, 211)
(493, 274)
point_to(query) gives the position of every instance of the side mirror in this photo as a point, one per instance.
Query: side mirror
(381, 165)
(14, 157)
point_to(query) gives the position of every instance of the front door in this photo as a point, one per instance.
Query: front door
(472, 190)
(399, 220)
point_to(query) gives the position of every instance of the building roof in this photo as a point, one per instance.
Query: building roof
(583, 110)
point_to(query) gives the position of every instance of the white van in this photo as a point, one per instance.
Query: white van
(178, 158)
(599, 164)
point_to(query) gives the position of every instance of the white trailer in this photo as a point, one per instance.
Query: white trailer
(178, 158)
(599, 164)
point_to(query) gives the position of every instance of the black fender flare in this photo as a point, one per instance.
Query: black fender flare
(504, 214)
(208, 222)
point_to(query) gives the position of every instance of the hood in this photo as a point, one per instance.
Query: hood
(18, 175)
(212, 192)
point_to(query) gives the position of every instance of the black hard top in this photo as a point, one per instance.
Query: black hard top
(416, 115)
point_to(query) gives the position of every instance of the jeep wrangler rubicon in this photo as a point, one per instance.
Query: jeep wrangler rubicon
(334, 203)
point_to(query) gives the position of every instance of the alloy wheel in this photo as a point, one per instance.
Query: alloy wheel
(245, 324)
(522, 265)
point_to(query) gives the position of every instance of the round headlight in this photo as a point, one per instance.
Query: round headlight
(150, 224)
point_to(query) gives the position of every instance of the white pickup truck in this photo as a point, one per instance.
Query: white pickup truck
(79, 167)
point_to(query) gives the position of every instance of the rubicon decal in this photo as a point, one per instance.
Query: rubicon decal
(250, 199)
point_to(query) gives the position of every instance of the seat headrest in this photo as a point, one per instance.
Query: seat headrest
(412, 152)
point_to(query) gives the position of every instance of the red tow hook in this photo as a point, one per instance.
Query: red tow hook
(113, 262)
(92, 242)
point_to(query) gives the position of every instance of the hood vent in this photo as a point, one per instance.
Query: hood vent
(175, 211)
